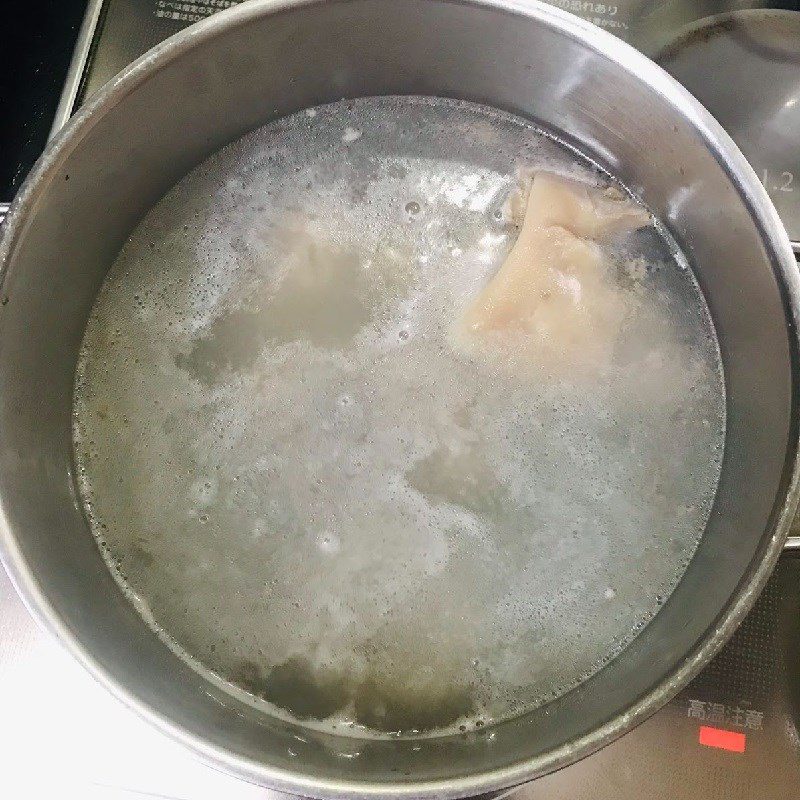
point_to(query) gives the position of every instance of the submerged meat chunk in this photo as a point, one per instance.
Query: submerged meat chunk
(585, 210)
(553, 298)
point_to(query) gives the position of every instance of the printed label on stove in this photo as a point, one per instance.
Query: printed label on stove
(722, 714)
(777, 181)
(601, 14)
(190, 12)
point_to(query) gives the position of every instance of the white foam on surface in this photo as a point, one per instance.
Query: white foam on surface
(321, 501)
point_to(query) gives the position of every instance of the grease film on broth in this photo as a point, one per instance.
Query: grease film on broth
(320, 499)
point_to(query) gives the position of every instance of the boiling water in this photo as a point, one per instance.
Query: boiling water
(316, 497)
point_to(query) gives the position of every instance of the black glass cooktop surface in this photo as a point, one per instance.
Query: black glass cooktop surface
(37, 39)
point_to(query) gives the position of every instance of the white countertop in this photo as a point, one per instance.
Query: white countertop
(62, 735)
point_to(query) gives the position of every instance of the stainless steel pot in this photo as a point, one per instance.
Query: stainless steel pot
(235, 71)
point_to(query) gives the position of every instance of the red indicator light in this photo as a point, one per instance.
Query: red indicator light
(724, 740)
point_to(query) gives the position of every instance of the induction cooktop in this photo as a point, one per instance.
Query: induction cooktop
(732, 733)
